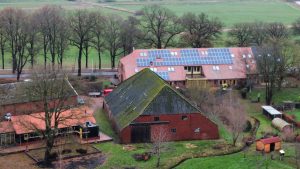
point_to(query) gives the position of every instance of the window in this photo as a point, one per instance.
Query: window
(197, 130)
(155, 69)
(216, 68)
(143, 54)
(136, 70)
(173, 130)
(249, 56)
(230, 67)
(184, 117)
(156, 118)
(171, 69)
(244, 56)
(232, 55)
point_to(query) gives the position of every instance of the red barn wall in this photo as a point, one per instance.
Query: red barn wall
(184, 128)
(30, 107)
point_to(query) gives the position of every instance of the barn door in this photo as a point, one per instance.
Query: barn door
(140, 134)
(272, 146)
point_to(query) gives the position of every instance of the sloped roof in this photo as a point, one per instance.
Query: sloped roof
(36, 121)
(145, 93)
(279, 123)
(240, 59)
(270, 140)
(13, 93)
(6, 127)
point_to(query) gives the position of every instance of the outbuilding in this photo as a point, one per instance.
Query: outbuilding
(271, 112)
(268, 144)
(281, 125)
(144, 105)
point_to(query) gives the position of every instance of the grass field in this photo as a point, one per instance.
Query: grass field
(253, 160)
(295, 112)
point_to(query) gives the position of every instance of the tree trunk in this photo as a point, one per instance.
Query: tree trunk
(79, 60)
(99, 57)
(86, 56)
(158, 160)
(49, 145)
(2, 55)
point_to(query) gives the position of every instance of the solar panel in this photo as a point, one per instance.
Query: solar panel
(187, 57)
(163, 74)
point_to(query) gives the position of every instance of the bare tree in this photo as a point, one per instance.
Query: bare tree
(200, 30)
(258, 33)
(3, 40)
(241, 34)
(53, 88)
(113, 42)
(98, 32)
(235, 117)
(81, 24)
(160, 137)
(130, 34)
(62, 41)
(276, 32)
(160, 26)
(11, 23)
(33, 38)
(267, 60)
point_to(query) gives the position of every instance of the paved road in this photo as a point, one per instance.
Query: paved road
(103, 73)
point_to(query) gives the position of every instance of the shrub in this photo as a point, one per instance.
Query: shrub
(244, 93)
(66, 151)
(81, 151)
(53, 156)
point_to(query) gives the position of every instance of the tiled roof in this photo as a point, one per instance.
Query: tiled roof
(30, 123)
(270, 140)
(6, 127)
(13, 93)
(233, 63)
(145, 93)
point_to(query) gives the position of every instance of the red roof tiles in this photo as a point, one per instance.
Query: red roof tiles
(270, 140)
(243, 63)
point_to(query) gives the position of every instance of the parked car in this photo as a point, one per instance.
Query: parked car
(7, 116)
(106, 92)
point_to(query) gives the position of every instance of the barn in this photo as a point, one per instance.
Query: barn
(14, 99)
(268, 144)
(145, 104)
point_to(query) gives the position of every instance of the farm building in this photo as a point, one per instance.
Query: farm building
(187, 67)
(268, 144)
(15, 100)
(271, 112)
(23, 128)
(145, 104)
(281, 125)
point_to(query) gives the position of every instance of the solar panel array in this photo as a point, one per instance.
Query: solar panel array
(163, 74)
(213, 56)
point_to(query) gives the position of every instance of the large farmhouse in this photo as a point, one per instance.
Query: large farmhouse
(14, 99)
(145, 104)
(202, 66)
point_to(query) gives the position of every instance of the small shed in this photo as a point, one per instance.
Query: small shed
(268, 144)
(270, 112)
(281, 125)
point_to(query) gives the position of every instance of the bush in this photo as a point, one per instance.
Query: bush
(248, 126)
(81, 151)
(92, 78)
(53, 156)
(244, 93)
(66, 151)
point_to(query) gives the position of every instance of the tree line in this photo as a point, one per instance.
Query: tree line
(49, 31)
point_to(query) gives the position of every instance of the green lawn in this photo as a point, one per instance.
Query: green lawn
(295, 112)
(233, 11)
(292, 94)
(253, 160)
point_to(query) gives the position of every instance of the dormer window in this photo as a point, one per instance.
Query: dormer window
(143, 54)
(136, 70)
(244, 56)
(232, 55)
(230, 67)
(249, 56)
(216, 68)
(171, 69)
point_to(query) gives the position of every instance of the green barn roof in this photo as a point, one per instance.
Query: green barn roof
(145, 93)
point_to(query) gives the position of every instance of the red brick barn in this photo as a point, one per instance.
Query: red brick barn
(145, 104)
(14, 99)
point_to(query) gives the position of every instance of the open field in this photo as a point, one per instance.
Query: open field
(229, 11)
